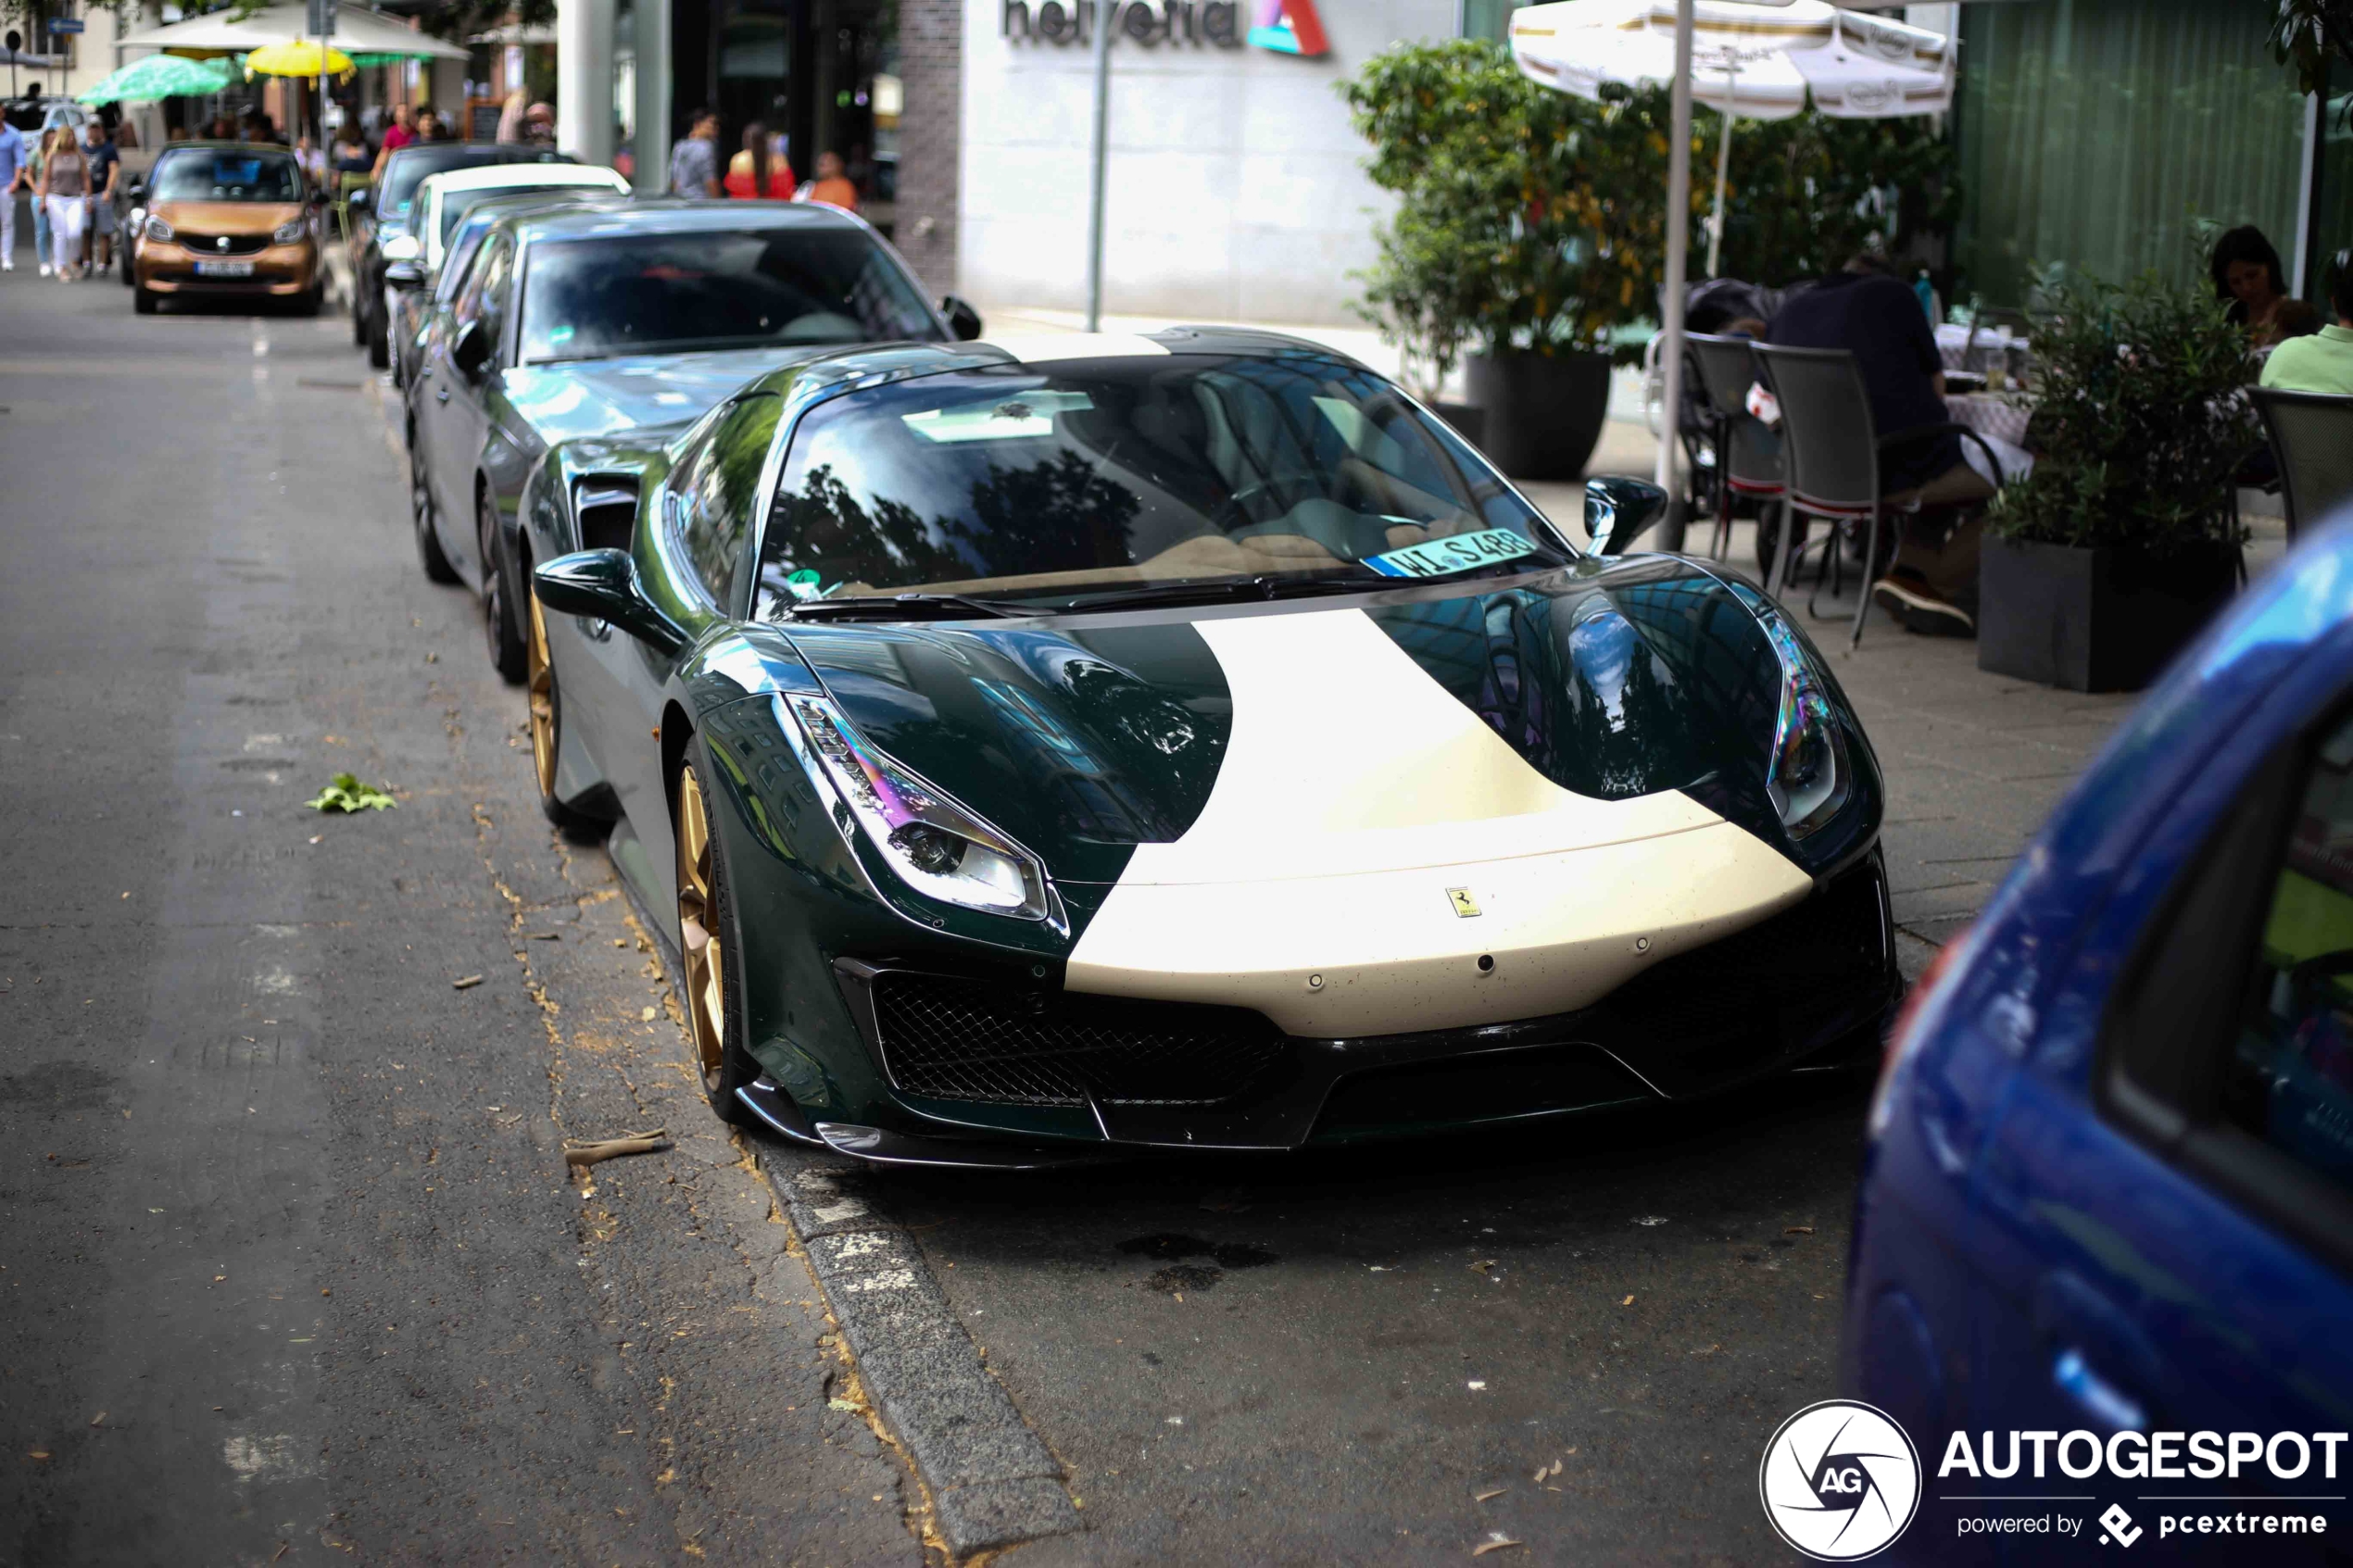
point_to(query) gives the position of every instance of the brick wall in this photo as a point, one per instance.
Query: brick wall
(931, 47)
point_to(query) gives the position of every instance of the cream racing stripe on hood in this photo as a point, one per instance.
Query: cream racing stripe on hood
(1360, 813)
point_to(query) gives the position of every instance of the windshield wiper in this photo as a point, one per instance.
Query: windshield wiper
(902, 606)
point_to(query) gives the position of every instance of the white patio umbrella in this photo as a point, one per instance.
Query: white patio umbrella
(1757, 57)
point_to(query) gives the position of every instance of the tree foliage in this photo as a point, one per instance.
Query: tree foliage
(1525, 219)
(2306, 33)
(2141, 417)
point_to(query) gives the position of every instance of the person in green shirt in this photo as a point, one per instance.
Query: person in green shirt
(2322, 362)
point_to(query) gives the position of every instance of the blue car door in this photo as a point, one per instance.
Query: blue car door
(2166, 1203)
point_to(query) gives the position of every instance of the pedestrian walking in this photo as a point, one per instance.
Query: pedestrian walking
(757, 173)
(694, 163)
(29, 180)
(12, 177)
(64, 188)
(105, 167)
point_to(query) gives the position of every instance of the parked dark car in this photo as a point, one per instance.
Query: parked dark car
(381, 219)
(413, 289)
(622, 317)
(2108, 1190)
(1048, 749)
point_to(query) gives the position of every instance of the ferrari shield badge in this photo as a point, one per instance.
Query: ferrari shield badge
(1465, 905)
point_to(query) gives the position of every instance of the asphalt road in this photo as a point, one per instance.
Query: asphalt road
(290, 1266)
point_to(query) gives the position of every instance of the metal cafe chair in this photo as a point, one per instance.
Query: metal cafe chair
(2311, 436)
(1748, 455)
(1833, 462)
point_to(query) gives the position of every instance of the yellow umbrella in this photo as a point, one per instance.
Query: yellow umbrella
(297, 59)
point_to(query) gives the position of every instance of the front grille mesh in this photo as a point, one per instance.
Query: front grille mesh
(959, 1039)
(208, 247)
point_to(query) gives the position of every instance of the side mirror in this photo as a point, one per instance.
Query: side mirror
(405, 275)
(136, 192)
(471, 352)
(602, 586)
(963, 320)
(360, 199)
(1617, 509)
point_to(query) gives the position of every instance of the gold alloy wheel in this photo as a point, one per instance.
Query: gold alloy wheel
(540, 691)
(698, 940)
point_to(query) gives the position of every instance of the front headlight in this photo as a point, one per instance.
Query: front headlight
(159, 231)
(940, 848)
(290, 232)
(402, 247)
(1809, 776)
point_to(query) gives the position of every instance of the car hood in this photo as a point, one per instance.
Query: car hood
(1432, 808)
(227, 217)
(593, 397)
(1608, 701)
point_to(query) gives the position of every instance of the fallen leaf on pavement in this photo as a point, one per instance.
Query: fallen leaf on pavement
(346, 793)
(582, 1151)
(1627, 1302)
(1479, 1386)
(1483, 1266)
(99, 1419)
(1495, 1542)
(1490, 1492)
(465, 983)
(37, 1453)
(648, 1015)
(848, 1407)
(1797, 1230)
(1651, 1220)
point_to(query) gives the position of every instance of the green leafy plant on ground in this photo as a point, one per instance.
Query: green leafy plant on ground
(1527, 219)
(2141, 418)
(344, 792)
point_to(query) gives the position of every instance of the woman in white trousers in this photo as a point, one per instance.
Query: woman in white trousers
(65, 190)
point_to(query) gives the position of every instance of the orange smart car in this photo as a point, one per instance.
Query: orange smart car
(225, 219)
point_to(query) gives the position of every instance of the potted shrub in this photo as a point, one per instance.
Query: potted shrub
(1529, 226)
(2107, 558)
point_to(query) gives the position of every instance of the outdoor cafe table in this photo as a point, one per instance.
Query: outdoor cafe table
(2001, 418)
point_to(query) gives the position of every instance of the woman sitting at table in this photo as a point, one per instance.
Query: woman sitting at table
(2248, 275)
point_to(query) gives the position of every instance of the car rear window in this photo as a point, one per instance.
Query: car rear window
(410, 165)
(608, 295)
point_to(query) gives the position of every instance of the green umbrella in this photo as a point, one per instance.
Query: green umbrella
(161, 76)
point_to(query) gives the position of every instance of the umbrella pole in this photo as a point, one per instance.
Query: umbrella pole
(1716, 224)
(1679, 225)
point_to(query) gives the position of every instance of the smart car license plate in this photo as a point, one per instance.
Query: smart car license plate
(224, 268)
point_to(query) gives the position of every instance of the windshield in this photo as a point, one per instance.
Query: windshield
(231, 174)
(1100, 476)
(664, 294)
(410, 165)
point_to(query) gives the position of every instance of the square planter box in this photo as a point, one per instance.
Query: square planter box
(2098, 620)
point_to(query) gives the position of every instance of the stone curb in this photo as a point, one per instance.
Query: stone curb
(992, 1481)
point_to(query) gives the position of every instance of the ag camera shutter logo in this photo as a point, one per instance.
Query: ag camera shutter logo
(1839, 1481)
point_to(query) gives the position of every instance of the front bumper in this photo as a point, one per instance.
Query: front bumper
(973, 1064)
(278, 271)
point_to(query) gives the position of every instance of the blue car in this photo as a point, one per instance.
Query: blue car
(2110, 1184)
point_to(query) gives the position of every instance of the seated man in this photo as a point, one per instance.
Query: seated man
(1868, 312)
(2322, 362)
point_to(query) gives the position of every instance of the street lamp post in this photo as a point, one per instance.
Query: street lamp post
(1106, 12)
(1679, 216)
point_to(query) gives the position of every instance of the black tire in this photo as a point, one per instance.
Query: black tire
(143, 301)
(358, 326)
(502, 625)
(736, 1067)
(123, 263)
(437, 565)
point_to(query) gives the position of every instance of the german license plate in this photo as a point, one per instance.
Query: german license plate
(224, 268)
